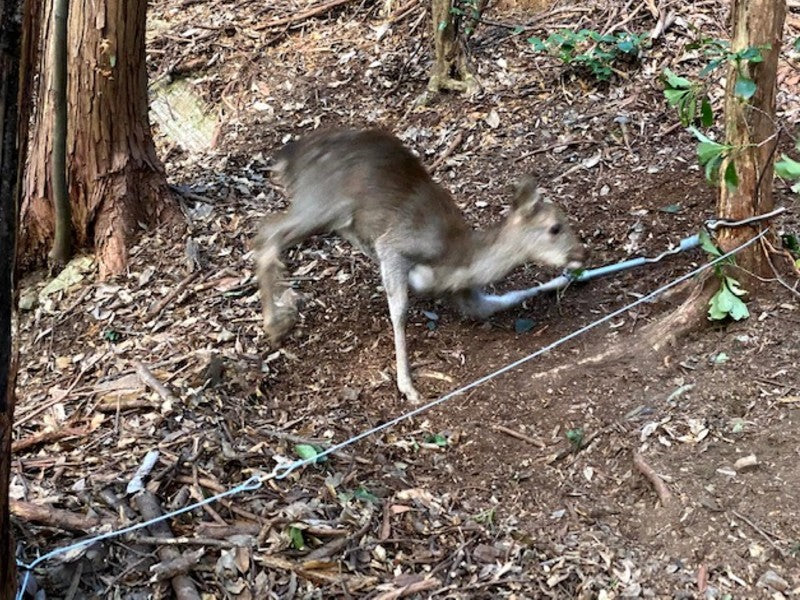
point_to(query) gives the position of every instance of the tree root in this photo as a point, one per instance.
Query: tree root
(656, 336)
(661, 489)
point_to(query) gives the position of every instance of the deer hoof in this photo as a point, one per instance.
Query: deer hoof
(411, 394)
(280, 324)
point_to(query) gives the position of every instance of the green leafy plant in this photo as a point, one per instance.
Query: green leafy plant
(710, 154)
(437, 439)
(365, 495)
(296, 537)
(727, 301)
(471, 9)
(791, 243)
(719, 52)
(690, 99)
(591, 52)
(685, 96)
(788, 168)
(575, 438)
(485, 517)
(308, 452)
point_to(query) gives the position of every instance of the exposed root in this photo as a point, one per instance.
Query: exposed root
(654, 337)
(661, 489)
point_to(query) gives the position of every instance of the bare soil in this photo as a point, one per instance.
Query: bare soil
(523, 487)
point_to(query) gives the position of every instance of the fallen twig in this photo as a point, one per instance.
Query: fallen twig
(149, 508)
(56, 517)
(193, 541)
(177, 566)
(403, 11)
(302, 15)
(662, 491)
(353, 583)
(150, 381)
(47, 436)
(112, 405)
(455, 143)
(760, 532)
(162, 304)
(520, 436)
(335, 545)
(410, 589)
(225, 531)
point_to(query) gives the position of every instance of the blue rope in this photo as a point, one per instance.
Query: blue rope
(282, 470)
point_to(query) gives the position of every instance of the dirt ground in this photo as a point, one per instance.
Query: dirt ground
(524, 487)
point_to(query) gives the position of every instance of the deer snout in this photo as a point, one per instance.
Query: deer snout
(576, 257)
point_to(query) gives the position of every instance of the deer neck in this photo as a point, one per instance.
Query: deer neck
(477, 259)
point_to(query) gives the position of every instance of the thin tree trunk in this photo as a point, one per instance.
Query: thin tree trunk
(115, 180)
(63, 220)
(750, 126)
(10, 46)
(449, 54)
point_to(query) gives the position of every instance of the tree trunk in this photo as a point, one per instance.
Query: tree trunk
(10, 45)
(750, 126)
(449, 54)
(115, 180)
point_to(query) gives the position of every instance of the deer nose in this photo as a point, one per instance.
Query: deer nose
(576, 257)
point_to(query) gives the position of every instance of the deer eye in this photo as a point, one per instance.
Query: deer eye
(555, 229)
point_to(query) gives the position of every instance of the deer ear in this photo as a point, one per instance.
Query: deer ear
(527, 195)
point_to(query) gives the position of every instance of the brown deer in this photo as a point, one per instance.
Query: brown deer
(371, 190)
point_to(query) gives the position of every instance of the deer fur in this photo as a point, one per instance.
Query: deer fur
(370, 189)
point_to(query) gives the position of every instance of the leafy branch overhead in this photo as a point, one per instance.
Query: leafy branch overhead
(687, 96)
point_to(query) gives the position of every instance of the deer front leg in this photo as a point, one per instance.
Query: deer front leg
(278, 317)
(394, 272)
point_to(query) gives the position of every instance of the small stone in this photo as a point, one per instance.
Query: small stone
(746, 462)
(486, 554)
(350, 394)
(28, 300)
(772, 580)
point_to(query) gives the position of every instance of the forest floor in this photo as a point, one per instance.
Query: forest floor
(524, 487)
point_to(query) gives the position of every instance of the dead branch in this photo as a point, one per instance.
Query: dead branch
(302, 15)
(48, 436)
(149, 508)
(225, 531)
(664, 495)
(193, 541)
(56, 517)
(150, 381)
(455, 143)
(520, 436)
(162, 304)
(423, 585)
(177, 566)
(335, 545)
